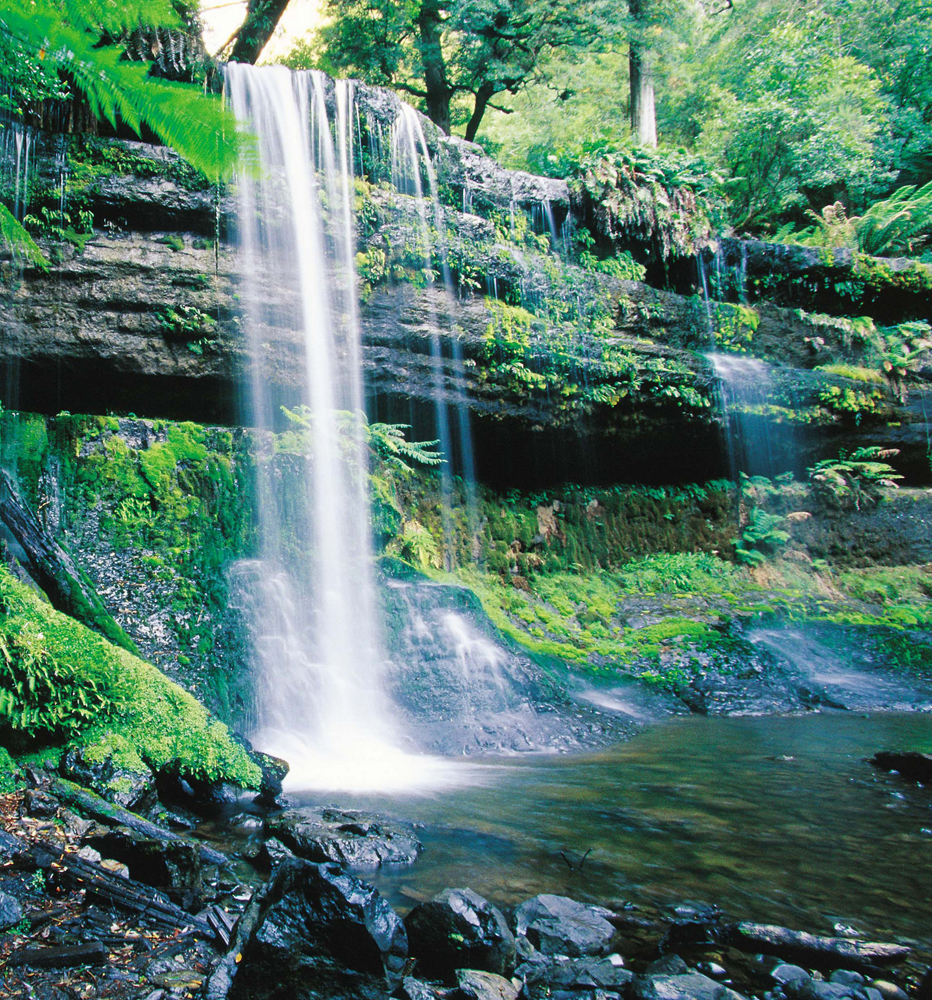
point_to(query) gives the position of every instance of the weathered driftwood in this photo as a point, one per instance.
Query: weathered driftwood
(90, 953)
(220, 981)
(54, 570)
(812, 947)
(105, 812)
(73, 872)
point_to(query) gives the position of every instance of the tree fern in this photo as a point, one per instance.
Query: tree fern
(901, 223)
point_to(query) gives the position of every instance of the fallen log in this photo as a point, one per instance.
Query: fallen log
(105, 812)
(63, 957)
(790, 944)
(220, 981)
(53, 569)
(71, 872)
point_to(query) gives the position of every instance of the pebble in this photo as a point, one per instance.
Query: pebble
(888, 990)
(789, 973)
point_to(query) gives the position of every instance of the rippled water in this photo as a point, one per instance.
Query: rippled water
(774, 819)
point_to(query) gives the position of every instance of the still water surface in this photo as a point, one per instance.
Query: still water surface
(775, 819)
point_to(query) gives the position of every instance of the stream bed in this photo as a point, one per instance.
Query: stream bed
(773, 819)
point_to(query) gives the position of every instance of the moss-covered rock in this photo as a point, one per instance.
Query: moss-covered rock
(62, 682)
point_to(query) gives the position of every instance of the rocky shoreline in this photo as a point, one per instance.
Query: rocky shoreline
(99, 902)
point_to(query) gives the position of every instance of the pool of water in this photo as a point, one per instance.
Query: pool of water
(775, 819)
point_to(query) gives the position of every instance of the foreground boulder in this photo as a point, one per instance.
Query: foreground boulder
(346, 836)
(458, 929)
(581, 977)
(321, 934)
(557, 925)
(689, 986)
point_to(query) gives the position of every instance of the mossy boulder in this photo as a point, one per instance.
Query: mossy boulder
(61, 682)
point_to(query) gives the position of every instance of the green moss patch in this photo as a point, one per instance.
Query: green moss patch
(61, 681)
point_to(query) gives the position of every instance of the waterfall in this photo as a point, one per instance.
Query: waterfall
(751, 437)
(320, 696)
(409, 157)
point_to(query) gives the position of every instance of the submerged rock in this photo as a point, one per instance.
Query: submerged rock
(910, 764)
(557, 925)
(349, 837)
(459, 929)
(322, 934)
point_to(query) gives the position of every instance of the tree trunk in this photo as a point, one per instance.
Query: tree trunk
(429, 27)
(262, 17)
(641, 79)
(54, 570)
(483, 95)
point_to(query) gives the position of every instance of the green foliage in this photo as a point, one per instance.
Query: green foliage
(186, 323)
(666, 200)
(853, 404)
(73, 41)
(453, 57)
(8, 772)
(61, 679)
(389, 443)
(850, 481)
(761, 538)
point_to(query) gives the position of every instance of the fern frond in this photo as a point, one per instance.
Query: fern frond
(195, 124)
(117, 16)
(15, 236)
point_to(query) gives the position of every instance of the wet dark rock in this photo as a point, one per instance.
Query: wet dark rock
(691, 986)
(11, 912)
(202, 798)
(40, 804)
(10, 846)
(274, 770)
(912, 765)
(669, 965)
(414, 989)
(475, 984)
(576, 974)
(815, 989)
(322, 934)
(824, 951)
(888, 990)
(108, 777)
(847, 977)
(785, 973)
(459, 929)
(557, 925)
(169, 864)
(349, 837)
(274, 852)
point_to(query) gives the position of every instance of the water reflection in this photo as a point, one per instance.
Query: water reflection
(777, 819)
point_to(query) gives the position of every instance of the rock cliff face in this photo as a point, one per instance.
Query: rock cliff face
(143, 316)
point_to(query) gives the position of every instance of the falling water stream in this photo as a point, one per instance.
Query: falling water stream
(320, 696)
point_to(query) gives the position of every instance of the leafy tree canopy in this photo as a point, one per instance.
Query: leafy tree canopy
(455, 56)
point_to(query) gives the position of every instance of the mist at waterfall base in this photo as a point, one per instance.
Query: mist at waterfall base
(320, 698)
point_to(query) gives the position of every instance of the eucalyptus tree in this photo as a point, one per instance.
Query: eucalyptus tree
(446, 51)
